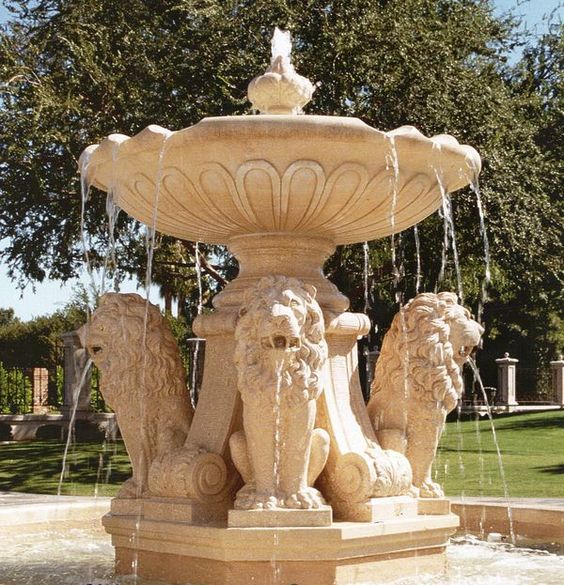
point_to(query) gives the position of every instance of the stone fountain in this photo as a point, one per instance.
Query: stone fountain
(281, 474)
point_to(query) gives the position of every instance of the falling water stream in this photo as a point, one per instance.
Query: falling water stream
(458, 576)
(82, 554)
(419, 274)
(392, 164)
(449, 240)
(278, 369)
(476, 372)
(475, 186)
(196, 340)
(365, 250)
(70, 432)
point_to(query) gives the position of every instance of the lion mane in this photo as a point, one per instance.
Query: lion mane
(418, 379)
(301, 379)
(142, 379)
(128, 326)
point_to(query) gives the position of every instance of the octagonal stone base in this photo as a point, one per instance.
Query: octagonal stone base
(345, 553)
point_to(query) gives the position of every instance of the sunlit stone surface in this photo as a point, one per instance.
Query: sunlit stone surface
(280, 476)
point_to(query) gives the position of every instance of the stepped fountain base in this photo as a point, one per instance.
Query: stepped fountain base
(344, 553)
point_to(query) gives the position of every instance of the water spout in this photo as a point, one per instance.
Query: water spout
(281, 45)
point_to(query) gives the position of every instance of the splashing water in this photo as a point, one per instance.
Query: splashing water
(476, 372)
(392, 164)
(197, 341)
(279, 366)
(85, 187)
(198, 269)
(475, 186)
(110, 260)
(365, 250)
(281, 44)
(81, 553)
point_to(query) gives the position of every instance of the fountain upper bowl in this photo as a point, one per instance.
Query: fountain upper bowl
(327, 176)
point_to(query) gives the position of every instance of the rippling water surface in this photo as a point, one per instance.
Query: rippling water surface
(70, 555)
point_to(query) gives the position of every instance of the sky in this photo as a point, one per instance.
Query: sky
(49, 296)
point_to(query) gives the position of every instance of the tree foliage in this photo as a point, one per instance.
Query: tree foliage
(74, 71)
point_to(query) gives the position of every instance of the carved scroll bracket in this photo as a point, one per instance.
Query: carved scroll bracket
(357, 469)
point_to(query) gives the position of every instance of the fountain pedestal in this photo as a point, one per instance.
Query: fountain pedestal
(345, 553)
(200, 539)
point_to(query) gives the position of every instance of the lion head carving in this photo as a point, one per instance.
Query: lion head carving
(128, 339)
(418, 378)
(142, 379)
(280, 318)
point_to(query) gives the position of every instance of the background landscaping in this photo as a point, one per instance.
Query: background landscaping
(467, 463)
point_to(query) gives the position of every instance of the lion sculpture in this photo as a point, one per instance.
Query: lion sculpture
(280, 351)
(142, 380)
(418, 380)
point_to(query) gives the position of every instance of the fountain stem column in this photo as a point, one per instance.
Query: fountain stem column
(289, 254)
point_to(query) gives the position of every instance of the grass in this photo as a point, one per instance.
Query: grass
(35, 466)
(532, 455)
(532, 447)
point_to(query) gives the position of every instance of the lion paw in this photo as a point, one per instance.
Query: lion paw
(249, 499)
(430, 489)
(129, 489)
(305, 499)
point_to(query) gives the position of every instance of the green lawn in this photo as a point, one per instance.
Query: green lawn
(532, 447)
(35, 466)
(532, 455)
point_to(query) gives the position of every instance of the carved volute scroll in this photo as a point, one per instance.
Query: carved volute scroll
(418, 380)
(358, 468)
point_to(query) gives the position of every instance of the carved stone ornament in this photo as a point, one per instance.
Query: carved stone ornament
(279, 355)
(280, 90)
(142, 380)
(418, 380)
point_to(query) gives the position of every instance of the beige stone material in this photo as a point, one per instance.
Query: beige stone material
(388, 568)
(279, 355)
(434, 506)
(183, 510)
(380, 509)
(358, 468)
(535, 520)
(346, 553)
(127, 506)
(418, 380)
(507, 380)
(323, 176)
(281, 406)
(321, 516)
(142, 380)
(280, 90)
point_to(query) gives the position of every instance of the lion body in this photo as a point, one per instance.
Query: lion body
(142, 380)
(418, 379)
(280, 351)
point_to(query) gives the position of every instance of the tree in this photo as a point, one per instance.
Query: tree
(75, 71)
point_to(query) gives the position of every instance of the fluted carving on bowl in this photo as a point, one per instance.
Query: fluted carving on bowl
(347, 202)
(341, 187)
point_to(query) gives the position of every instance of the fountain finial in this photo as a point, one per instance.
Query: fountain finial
(280, 90)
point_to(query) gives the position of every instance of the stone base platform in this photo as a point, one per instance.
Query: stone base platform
(344, 553)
